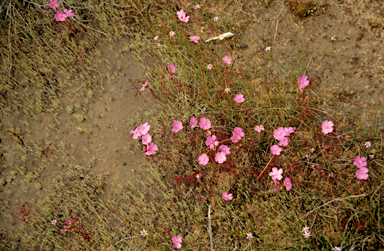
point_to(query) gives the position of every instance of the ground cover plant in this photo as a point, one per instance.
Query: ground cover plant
(237, 157)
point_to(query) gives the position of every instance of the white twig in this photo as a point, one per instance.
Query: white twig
(210, 227)
(236, 247)
(222, 36)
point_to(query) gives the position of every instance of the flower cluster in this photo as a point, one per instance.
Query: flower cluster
(60, 16)
(362, 171)
(276, 175)
(177, 240)
(306, 232)
(281, 134)
(183, 16)
(69, 224)
(142, 131)
(237, 134)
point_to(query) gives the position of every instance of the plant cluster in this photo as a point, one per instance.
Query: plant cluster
(246, 139)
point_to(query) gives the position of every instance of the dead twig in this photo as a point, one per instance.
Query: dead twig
(210, 227)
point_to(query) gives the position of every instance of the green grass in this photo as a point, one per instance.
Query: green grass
(340, 210)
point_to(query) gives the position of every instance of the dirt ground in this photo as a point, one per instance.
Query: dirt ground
(346, 70)
(101, 143)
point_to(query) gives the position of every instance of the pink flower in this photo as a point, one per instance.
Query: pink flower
(367, 144)
(227, 196)
(155, 38)
(302, 81)
(307, 234)
(151, 149)
(305, 229)
(144, 85)
(289, 130)
(276, 150)
(203, 159)
(336, 249)
(136, 134)
(227, 60)
(193, 122)
(53, 4)
(327, 126)
(209, 67)
(220, 157)
(54, 222)
(276, 173)
(68, 13)
(177, 240)
(172, 68)
(183, 16)
(371, 156)
(238, 132)
(284, 142)
(239, 98)
(171, 33)
(227, 90)
(259, 128)
(65, 229)
(194, 39)
(69, 222)
(276, 187)
(211, 142)
(197, 6)
(330, 175)
(184, 19)
(181, 13)
(144, 232)
(235, 139)
(312, 150)
(205, 124)
(249, 236)
(225, 149)
(198, 176)
(216, 19)
(143, 129)
(177, 126)
(146, 139)
(360, 162)
(362, 173)
(288, 184)
(60, 16)
(268, 48)
(279, 133)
